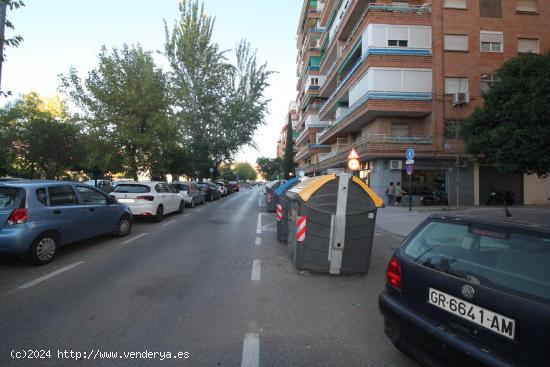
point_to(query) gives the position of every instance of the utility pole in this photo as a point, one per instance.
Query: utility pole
(3, 8)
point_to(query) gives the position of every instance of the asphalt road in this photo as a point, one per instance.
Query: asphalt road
(213, 283)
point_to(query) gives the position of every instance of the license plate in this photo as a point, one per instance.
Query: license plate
(125, 200)
(488, 319)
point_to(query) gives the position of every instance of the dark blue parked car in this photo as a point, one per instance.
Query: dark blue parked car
(37, 217)
(472, 290)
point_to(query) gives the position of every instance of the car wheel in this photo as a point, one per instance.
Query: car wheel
(123, 227)
(211, 197)
(159, 214)
(192, 203)
(43, 249)
(181, 207)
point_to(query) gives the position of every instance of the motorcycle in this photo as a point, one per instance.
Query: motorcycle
(438, 197)
(501, 197)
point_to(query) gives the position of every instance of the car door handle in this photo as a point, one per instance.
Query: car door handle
(57, 211)
(91, 209)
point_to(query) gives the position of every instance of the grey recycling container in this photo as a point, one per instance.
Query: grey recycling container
(331, 224)
(270, 187)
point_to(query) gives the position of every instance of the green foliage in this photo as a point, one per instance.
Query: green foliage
(512, 129)
(219, 105)
(126, 105)
(270, 168)
(38, 139)
(288, 167)
(244, 171)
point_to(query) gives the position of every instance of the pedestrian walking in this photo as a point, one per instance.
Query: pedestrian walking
(390, 191)
(398, 194)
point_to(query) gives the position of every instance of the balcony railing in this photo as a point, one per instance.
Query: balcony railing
(378, 139)
(364, 57)
(412, 9)
(403, 96)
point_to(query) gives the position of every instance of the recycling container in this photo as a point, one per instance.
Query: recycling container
(282, 206)
(270, 187)
(331, 224)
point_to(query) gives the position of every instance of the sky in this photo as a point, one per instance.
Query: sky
(59, 34)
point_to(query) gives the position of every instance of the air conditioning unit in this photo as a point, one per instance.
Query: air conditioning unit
(396, 165)
(460, 98)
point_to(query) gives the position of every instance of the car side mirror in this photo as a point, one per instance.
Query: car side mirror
(111, 200)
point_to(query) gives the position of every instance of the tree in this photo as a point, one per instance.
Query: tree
(219, 106)
(512, 129)
(4, 23)
(289, 150)
(40, 140)
(125, 101)
(270, 168)
(244, 171)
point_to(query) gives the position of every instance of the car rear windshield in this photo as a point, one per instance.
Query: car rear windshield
(497, 257)
(11, 197)
(132, 188)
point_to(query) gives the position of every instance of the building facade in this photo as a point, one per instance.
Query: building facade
(386, 76)
(281, 142)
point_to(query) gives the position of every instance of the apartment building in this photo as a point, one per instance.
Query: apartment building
(281, 142)
(386, 76)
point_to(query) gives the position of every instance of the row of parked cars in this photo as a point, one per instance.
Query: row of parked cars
(37, 217)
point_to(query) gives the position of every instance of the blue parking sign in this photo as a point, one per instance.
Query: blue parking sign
(409, 154)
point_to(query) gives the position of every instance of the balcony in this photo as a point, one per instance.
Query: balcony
(310, 128)
(370, 53)
(375, 104)
(377, 144)
(352, 36)
(311, 149)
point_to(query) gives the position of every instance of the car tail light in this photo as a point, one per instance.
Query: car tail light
(146, 197)
(394, 273)
(18, 216)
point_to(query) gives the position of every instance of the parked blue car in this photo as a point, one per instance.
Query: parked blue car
(38, 217)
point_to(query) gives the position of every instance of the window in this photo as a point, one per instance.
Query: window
(398, 36)
(314, 82)
(399, 130)
(490, 8)
(491, 41)
(91, 196)
(487, 81)
(62, 196)
(11, 197)
(132, 189)
(452, 128)
(528, 46)
(398, 43)
(457, 4)
(162, 188)
(496, 257)
(456, 42)
(456, 85)
(41, 196)
(529, 6)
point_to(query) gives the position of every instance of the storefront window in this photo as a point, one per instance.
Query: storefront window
(423, 181)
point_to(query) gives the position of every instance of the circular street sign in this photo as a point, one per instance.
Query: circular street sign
(354, 165)
(409, 154)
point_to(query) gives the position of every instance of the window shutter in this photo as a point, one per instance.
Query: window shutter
(459, 4)
(456, 42)
(526, 45)
(527, 5)
(490, 8)
(491, 37)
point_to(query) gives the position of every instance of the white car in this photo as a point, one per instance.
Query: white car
(149, 199)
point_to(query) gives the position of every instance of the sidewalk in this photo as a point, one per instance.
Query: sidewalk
(399, 221)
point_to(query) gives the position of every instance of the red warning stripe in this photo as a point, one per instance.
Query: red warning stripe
(301, 229)
(279, 212)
